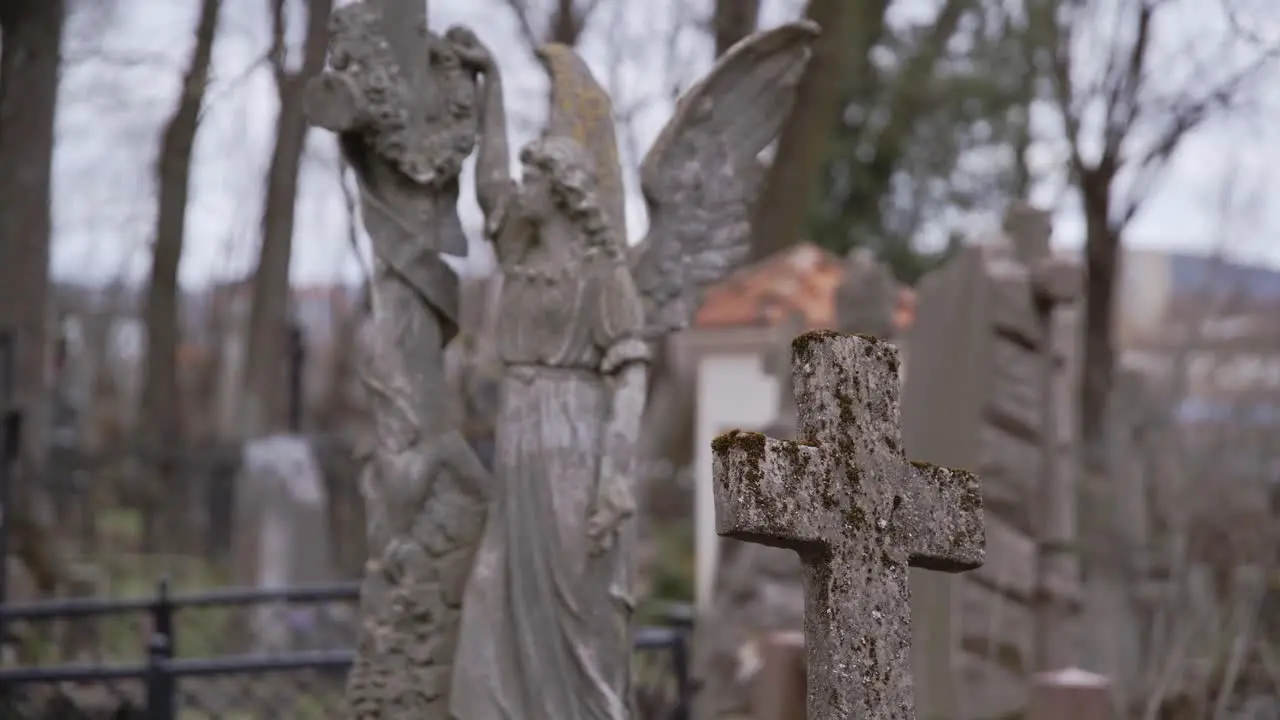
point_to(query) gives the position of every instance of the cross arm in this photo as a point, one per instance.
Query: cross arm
(762, 492)
(946, 527)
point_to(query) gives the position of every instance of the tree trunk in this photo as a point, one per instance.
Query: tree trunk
(1102, 259)
(160, 416)
(32, 39)
(849, 29)
(733, 20)
(905, 103)
(265, 397)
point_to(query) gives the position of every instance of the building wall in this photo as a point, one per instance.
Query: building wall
(1145, 291)
(733, 391)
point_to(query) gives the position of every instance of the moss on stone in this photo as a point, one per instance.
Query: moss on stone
(971, 499)
(805, 341)
(752, 442)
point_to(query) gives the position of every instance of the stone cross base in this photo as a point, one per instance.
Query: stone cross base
(778, 688)
(1071, 694)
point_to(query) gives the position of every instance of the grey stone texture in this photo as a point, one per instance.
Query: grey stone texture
(858, 513)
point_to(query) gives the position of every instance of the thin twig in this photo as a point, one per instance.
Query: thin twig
(521, 10)
(231, 85)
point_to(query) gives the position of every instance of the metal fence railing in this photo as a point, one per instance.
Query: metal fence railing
(171, 672)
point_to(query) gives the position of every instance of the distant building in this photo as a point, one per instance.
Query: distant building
(1158, 287)
(1208, 327)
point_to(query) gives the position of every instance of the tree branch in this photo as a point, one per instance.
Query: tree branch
(521, 10)
(1186, 114)
(1122, 100)
(1049, 26)
(234, 83)
(276, 53)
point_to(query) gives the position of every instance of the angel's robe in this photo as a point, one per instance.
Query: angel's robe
(546, 624)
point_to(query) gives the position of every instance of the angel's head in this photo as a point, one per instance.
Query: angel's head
(560, 177)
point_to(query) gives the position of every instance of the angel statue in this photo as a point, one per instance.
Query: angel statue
(546, 628)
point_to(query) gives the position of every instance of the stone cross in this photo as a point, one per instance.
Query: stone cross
(846, 499)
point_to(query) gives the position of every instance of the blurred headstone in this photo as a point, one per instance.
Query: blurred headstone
(867, 296)
(282, 536)
(1071, 694)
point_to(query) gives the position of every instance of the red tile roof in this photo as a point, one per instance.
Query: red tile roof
(802, 279)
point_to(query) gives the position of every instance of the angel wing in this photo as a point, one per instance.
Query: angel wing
(582, 110)
(701, 177)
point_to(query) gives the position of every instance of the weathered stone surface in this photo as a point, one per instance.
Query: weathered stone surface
(1057, 280)
(1012, 308)
(866, 297)
(1010, 466)
(847, 501)
(1017, 387)
(1030, 230)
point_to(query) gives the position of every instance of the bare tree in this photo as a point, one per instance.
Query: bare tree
(732, 21)
(842, 72)
(1141, 127)
(849, 30)
(264, 397)
(1180, 650)
(563, 22)
(160, 416)
(29, 58)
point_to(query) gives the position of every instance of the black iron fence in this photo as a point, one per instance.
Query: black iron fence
(172, 671)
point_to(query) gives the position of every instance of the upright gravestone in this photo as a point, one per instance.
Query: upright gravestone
(845, 498)
(282, 535)
(988, 387)
(866, 296)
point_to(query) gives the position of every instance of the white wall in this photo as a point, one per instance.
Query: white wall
(1144, 292)
(734, 392)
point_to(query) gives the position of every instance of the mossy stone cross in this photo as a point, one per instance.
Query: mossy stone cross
(846, 499)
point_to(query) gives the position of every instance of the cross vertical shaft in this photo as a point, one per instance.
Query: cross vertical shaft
(845, 498)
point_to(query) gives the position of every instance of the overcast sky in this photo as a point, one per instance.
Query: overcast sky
(125, 60)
